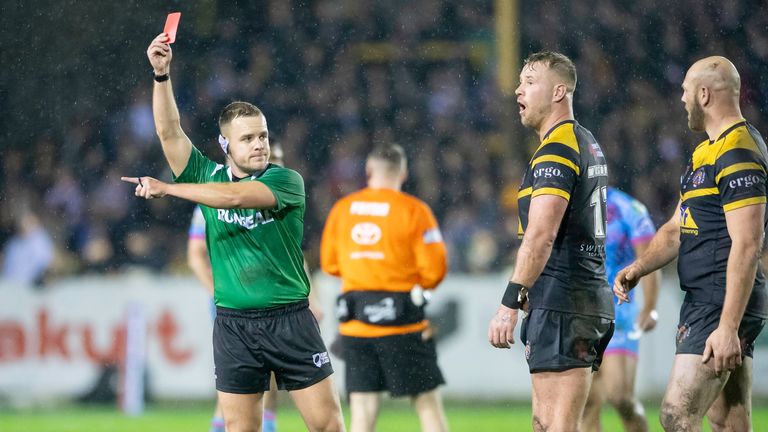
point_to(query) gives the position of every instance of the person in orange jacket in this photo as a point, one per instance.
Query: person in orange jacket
(387, 248)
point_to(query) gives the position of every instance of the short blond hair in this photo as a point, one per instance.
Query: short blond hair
(237, 109)
(557, 62)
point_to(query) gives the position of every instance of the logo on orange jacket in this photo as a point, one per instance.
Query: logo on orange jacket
(366, 233)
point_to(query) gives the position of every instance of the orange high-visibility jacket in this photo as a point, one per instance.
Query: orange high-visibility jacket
(382, 240)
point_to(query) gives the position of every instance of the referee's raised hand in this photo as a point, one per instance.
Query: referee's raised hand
(159, 54)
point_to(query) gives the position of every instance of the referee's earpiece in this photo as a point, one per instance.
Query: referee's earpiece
(224, 143)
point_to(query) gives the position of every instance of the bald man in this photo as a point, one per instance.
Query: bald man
(716, 234)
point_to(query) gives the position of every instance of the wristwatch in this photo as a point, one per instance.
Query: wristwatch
(161, 78)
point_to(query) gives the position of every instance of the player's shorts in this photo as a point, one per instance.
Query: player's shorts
(404, 365)
(249, 344)
(698, 320)
(557, 341)
(625, 340)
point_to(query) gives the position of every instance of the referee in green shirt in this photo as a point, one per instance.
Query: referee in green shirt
(254, 214)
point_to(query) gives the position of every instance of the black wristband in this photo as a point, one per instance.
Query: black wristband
(515, 296)
(161, 78)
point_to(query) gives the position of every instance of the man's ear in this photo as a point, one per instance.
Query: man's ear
(704, 95)
(368, 170)
(559, 92)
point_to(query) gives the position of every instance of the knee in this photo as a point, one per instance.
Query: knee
(673, 418)
(717, 420)
(332, 424)
(235, 425)
(625, 406)
(719, 425)
(734, 419)
(538, 425)
(558, 424)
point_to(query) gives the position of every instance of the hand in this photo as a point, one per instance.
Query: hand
(724, 346)
(646, 320)
(159, 53)
(502, 327)
(625, 280)
(428, 333)
(147, 187)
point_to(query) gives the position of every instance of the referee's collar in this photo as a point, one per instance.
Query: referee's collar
(253, 176)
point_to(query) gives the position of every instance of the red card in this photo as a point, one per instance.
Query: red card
(171, 25)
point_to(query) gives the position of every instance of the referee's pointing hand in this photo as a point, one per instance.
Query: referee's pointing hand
(147, 187)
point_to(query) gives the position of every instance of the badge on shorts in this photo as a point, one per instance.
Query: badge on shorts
(320, 359)
(528, 350)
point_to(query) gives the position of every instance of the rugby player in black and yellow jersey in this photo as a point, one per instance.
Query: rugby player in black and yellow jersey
(559, 276)
(717, 234)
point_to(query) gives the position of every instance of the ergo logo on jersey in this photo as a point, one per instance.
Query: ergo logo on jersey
(547, 172)
(746, 181)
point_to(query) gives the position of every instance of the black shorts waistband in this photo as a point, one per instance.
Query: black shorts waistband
(270, 312)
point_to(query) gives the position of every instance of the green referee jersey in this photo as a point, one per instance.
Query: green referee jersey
(255, 254)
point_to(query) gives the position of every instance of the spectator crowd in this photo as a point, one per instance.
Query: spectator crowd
(336, 76)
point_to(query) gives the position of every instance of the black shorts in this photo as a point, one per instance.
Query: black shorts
(404, 365)
(698, 320)
(250, 344)
(557, 341)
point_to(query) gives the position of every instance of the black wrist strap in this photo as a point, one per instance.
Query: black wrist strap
(161, 78)
(515, 296)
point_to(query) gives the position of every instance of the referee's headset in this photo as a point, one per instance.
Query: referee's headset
(224, 143)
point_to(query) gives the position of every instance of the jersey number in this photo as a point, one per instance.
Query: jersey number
(599, 196)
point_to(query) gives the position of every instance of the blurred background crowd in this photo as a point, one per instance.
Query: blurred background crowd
(334, 77)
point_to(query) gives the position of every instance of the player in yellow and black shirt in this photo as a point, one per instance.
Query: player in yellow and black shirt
(570, 164)
(559, 276)
(725, 174)
(717, 235)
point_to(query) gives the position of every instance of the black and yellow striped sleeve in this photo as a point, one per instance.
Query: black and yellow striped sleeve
(555, 169)
(740, 177)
